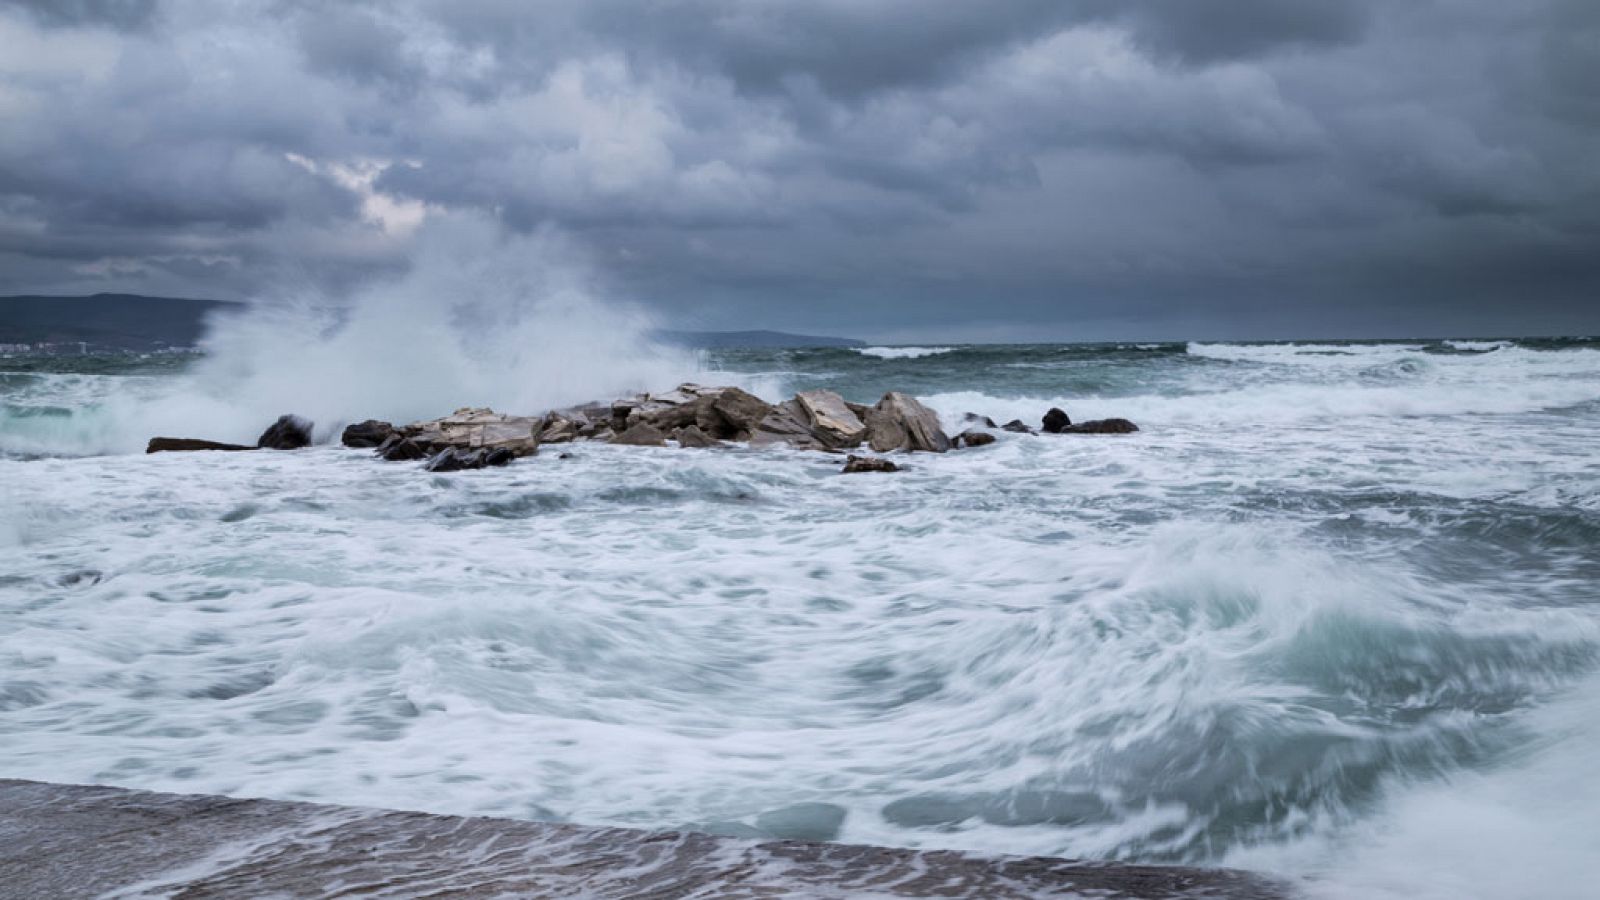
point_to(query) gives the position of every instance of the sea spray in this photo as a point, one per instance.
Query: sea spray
(479, 318)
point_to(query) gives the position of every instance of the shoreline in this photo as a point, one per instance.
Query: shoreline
(83, 840)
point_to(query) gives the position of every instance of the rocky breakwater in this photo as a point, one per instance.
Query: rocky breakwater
(688, 416)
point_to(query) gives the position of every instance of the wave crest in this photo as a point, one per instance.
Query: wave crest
(902, 352)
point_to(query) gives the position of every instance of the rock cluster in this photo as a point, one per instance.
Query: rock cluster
(1057, 422)
(290, 432)
(690, 416)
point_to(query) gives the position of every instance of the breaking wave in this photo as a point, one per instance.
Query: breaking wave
(902, 352)
(479, 319)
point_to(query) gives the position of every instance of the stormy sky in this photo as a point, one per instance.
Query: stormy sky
(1061, 169)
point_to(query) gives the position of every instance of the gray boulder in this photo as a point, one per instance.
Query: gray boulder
(901, 422)
(478, 429)
(734, 415)
(559, 429)
(692, 436)
(831, 419)
(641, 435)
(722, 413)
(787, 423)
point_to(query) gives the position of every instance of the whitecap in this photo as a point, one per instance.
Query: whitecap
(902, 352)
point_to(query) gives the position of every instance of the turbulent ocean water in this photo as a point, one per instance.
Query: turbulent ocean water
(1333, 613)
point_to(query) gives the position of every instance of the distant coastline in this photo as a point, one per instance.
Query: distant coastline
(139, 322)
(105, 321)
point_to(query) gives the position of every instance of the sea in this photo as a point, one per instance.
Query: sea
(1332, 614)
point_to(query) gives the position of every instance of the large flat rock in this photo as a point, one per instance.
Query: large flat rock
(77, 841)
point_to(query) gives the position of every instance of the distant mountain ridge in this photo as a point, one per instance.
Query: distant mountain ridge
(138, 322)
(121, 321)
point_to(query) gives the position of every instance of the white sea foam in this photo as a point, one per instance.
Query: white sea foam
(902, 352)
(1300, 354)
(1313, 618)
(1370, 382)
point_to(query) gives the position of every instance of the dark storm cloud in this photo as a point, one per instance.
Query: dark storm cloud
(1232, 29)
(358, 44)
(65, 13)
(888, 167)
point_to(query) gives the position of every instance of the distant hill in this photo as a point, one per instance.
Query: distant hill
(722, 340)
(134, 322)
(123, 321)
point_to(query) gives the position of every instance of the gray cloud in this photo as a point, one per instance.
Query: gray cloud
(124, 14)
(886, 167)
(1234, 29)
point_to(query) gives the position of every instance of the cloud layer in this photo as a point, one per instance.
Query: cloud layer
(881, 167)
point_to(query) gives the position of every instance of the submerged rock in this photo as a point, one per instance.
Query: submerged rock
(868, 464)
(930, 810)
(370, 433)
(173, 445)
(456, 460)
(971, 438)
(290, 432)
(1017, 426)
(973, 418)
(1055, 421)
(1102, 426)
(901, 422)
